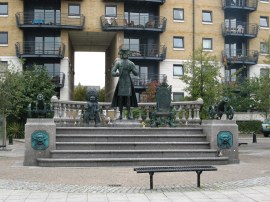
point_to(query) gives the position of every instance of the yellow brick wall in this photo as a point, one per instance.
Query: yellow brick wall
(263, 34)
(185, 29)
(8, 24)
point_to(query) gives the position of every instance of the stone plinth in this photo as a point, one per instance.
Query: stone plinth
(34, 151)
(213, 128)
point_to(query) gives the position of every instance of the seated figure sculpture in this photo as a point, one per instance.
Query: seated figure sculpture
(92, 109)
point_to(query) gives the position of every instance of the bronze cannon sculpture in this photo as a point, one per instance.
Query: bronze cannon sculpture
(216, 111)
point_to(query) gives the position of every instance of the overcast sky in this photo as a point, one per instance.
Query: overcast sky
(90, 69)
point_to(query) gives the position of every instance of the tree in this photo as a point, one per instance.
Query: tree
(101, 95)
(202, 78)
(150, 94)
(79, 93)
(19, 89)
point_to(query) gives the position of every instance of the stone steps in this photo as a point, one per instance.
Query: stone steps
(113, 146)
(131, 138)
(114, 162)
(133, 153)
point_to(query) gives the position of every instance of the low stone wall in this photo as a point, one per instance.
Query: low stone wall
(249, 116)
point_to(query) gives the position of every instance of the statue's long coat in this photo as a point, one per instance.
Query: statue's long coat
(124, 86)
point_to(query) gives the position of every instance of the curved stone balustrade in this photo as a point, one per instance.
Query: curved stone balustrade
(69, 113)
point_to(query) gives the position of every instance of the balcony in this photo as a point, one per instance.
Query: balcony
(150, 1)
(58, 79)
(147, 52)
(239, 56)
(37, 49)
(120, 23)
(241, 29)
(247, 5)
(49, 20)
(143, 80)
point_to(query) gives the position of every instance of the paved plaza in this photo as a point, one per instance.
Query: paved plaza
(247, 181)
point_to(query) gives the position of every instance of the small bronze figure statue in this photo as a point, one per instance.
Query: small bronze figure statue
(92, 108)
(216, 111)
(124, 94)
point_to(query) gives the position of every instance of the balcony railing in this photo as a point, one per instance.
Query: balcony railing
(240, 56)
(249, 5)
(240, 29)
(153, 1)
(70, 113)
(148, 52)
(38, 49)
(121, 23)
(143, 80)
(49, 20)
(58, 79)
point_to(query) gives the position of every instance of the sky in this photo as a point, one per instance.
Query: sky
(90, 68)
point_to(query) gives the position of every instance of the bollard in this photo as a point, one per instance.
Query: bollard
(254, 138)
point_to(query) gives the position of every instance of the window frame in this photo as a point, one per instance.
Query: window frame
(211, 16)
(180, 10)
(4, 4)
(267, 21)
(73, 14)
(174, 72)
(112, 16)
(183, 42)
(4, 44)
(266, 48)
(207, 49)
(178, 93)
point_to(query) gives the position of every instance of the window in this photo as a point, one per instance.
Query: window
(207, 16)
(74, 10)
(3, 8)
(178, 42)
(230, 75)
(3, 38)
(178, 70)
(207, 44)
(264, 0)
(178, 14)
(133, 45)
(110, 11)
(178, 96)
(264, 48)
(263, 21)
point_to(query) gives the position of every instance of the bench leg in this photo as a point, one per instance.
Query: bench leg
(151, 179)
(198, 178)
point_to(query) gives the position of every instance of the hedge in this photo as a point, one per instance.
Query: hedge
(249, 126)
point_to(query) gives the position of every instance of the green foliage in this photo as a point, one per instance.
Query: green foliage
(101, 95)
(79, 93)
(19, 89)
(16, 130)
(249, 126)
(202, 78)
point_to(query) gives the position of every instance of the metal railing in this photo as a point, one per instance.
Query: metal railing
(70, 113)
(154, 1)
(58, 79)
(240, 56)
(144, 79)
(144, 51)
(39, 49)
(140, 22)
(240, 29)
(240, 4)
(49, 20)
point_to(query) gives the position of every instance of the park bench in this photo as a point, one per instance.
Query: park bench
(159, 169)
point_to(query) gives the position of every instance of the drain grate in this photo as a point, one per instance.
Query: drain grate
(114, 185)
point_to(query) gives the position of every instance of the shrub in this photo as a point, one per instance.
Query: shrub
(249, 126)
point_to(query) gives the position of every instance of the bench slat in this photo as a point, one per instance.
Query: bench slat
(174, 169)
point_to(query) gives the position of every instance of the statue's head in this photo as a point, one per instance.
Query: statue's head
(92, 95)
(124, 53)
